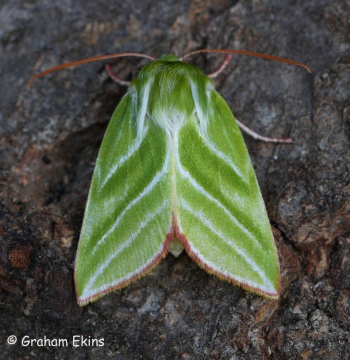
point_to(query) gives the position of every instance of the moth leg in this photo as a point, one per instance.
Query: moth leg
(115, 78)
(221, 68)
(260, 137)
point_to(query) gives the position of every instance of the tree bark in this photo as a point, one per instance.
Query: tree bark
(49, 139)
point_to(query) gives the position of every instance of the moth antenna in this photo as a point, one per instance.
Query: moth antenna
(249, 53)
(84, 61)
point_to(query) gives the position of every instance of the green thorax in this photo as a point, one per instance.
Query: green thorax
(168, 91)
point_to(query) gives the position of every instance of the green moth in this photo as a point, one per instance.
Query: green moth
(173, 172)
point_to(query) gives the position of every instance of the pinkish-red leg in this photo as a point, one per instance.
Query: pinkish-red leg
(115, 78)
(260, 137)
(221, 68)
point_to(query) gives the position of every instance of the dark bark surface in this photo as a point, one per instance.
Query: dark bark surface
(49, 139)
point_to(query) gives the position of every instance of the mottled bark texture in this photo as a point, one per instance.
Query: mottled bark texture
(49, 139)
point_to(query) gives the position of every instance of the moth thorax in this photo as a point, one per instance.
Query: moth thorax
(170, 101)
(170, 118)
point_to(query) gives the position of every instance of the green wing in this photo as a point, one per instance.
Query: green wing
(129, 209)
(221, 217)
